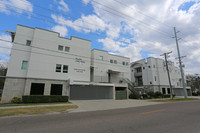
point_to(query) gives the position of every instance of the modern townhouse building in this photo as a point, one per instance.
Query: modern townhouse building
(43, 63)
(151, 75)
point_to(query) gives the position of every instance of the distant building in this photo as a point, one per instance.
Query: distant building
(151, 75)
(43, 63)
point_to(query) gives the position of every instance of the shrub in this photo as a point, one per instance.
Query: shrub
(134, 96)
(44, 99)
(195, 94)
(144, 96)
(198, 93)
(158, 94)
(166, 96)
(16, 100)
(151, 94)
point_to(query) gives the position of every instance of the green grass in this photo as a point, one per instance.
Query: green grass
(29, 104)
(173, 100)
(34, 110)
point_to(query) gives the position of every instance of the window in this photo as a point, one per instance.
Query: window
(155, 78)
(24, 65)
(143, 68)
(111, 61)
(150, 82)
(65, 69)
(115, 61)
(37, 89)
(177, 84)
(139, 69)
(60, 47)
(168, 90)
(126, 63)
(58, 67)
(100, 57)
(123, 63)
(149, 66)
(67, 49)
(56, 89)
(163, 91)
(28, 43)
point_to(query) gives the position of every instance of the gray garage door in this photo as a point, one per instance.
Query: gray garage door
(82, 92)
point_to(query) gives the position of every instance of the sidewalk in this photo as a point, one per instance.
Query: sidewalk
(32, 106)
(94, 105)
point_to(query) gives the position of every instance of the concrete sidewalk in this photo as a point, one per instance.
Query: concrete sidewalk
(94, 105)
(32, 106)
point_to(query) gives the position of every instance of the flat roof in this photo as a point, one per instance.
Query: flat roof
(110, 53)
(54, 32)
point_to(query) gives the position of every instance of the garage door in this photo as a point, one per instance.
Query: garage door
(78, 92)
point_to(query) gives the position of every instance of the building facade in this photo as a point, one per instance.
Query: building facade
(43, 63)
(151, 75)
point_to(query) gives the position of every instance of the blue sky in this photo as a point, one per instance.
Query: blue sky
(136, 29)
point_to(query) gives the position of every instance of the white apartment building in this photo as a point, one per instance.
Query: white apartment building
(43, 63)
(151, 75)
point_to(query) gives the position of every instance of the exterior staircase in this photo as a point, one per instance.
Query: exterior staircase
(130, 85)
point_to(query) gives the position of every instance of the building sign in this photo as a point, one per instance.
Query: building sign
(79, 70)
(79, 60)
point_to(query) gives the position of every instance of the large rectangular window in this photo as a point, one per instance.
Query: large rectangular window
(100, 57)
(123, 63)
(37, 89)
(65, 69)
(115, 61)
(56, 89)
(24, 65)
(28, 43)
(58, 67)
(67, 49)
(60, 47)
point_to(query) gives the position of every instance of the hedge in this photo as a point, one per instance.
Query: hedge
(44, 99)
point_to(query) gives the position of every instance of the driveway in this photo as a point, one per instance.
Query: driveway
(94, 105)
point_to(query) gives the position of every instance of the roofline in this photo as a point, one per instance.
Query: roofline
(109, 53)
(54, 32)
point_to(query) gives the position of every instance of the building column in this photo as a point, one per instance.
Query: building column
(47, 88)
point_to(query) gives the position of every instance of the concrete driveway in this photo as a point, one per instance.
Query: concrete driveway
(94, 105)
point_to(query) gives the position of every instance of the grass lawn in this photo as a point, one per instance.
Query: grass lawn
(173, 100)
(34, 110)
(28, 104)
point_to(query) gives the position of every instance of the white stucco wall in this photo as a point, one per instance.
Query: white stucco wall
(101, 67)
(44, 55)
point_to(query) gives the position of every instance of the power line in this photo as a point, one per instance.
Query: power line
(77, 19)
(145, 24)
(122, 3)
(162, 32)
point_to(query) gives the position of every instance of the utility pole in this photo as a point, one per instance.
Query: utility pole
(180, 63)
(166, 55)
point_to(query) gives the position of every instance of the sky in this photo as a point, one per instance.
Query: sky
(133, 28)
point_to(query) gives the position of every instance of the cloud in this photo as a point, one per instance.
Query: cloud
(60, 29)
(8, 6)
(5, 47)
(148, 26)
(84, 24)
(63, 6)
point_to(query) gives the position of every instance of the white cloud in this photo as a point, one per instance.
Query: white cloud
(7, 6)
(5, 47)
(85, 23)
(63, 6)
(152, 35)
(60, 29)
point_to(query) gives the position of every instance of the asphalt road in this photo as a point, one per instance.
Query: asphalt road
(179, 117)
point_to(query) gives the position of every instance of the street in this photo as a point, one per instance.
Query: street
(177, 117)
